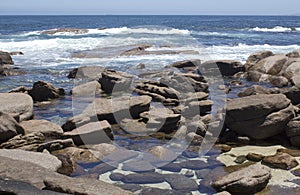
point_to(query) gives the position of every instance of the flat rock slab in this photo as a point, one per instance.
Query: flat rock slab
(143, 178)
(45, 160)
(181, 183)
(45, 127)
(11, 187)
(17, 104)
(82, 186)
(248, 180)
(91, 133)
(281, 161)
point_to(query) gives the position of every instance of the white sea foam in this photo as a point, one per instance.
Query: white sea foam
(275, 29)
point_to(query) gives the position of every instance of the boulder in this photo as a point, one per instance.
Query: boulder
(8, 127)
(143, 178)
(78, 154)
(86, 72)
(55, 145)
(29, 142)
(293, 131)
(91, 133)
(115, 81)
(259, 116)
(271, 65)
(281, 161)
(16, 104)
(5, 58)
(47, 128)
(248, 180)
(65, 30)
(256, 57)
(89, 89)
(226, 67)
(42, 91)
(186, 64)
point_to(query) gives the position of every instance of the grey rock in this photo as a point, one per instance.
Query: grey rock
(87, 72)
(226, 67)
(281, 161)
(42, 91)
(143, 178)
(47, 128)
(115, 81)
(256, 57)
(5, 58)
(89, 89)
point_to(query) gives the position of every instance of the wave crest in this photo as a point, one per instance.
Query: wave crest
(276, 29)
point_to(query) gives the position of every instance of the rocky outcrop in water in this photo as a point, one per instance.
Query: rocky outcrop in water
(65, 30)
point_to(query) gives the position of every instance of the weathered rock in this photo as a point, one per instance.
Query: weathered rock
(5, 58)
(47, 128)
(65, 30)
(162, 153)
(136, 127)
(16, 53)
(16, 104)
(29, 142)
(89, 89)
(55, 145)
(294, 54)
(203, 106)
(226, 67)
(181, 183)
(82, 186)
(161, 119)
(281, 160)
(245, 181)
(195, 164)
(136, 50)
(8, 127)
(172, 167)
(240, 159)
(254, 90)
(101, 169)
(116, 176)
(254, 157)
(151, 191)
(78, 154)
(296, 80)
(91, 133)
(138, 166)
(115, 81)
(293, 131)
(159, 92)
(294, 153)
(186, 64)
(143, 178)
(42, 91)
(87, 72)
(40, 159)
(256, 57)
(259, 116)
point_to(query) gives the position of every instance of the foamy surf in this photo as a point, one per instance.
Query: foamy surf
(276, 29)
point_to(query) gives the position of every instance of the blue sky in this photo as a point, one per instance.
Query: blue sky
(180, 7)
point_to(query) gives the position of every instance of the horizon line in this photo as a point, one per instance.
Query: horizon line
(149, 14)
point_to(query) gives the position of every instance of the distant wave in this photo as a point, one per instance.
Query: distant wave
(115, 31)
(276, 29)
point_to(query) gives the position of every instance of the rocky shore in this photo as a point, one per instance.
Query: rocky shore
(145, 133)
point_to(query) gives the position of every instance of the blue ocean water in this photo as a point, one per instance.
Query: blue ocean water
(49, 57)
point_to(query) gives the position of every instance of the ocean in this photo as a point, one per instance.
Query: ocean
(49, 57)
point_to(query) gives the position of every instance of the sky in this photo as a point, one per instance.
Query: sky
(150, 7)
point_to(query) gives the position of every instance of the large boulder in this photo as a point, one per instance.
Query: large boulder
(42, 91)
(256, 57)
(271, 65)
(8, 127)
(5, 58)
(293, 131)
(259, 116)
(89, 89)
(16, 104)
(249, 180)
(91, 133)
